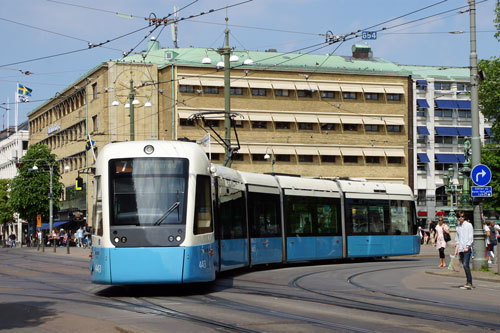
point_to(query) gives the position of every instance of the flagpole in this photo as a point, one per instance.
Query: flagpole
(17, 107)
(8, 116)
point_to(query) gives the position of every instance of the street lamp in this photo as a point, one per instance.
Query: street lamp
(273, 161)
(451, 188)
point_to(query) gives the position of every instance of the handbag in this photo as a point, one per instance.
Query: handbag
(447, 236)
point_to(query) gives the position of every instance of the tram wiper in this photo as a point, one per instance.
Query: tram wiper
(167, 213)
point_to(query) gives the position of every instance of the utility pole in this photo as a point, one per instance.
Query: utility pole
(226, 51)
(131, 98)
(479, 248)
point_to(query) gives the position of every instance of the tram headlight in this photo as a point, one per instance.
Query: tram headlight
(178, 238)
(170, 238)
(117, 240)
(149, 149)
(124, 239)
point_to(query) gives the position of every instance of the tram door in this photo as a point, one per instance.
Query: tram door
(264, 219)
(232, 224)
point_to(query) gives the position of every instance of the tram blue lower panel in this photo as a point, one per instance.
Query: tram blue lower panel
(310, 248)
(234, 253)
(99, 266)
(199, 264)
(266, 250)
(384, 245)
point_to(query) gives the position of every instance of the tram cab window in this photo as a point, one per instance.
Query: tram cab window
(232, 218)
(203, 206)
(312, 215)
(97, 210)
(264, 214)
(402, 217)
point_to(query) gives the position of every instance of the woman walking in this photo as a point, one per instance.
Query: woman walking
(439, 240)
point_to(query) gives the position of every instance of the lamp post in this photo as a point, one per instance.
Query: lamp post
(464, 180)
(273, 161)
(451, 188)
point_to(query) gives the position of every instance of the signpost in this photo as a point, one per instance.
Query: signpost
(481, 176)
(39, 221)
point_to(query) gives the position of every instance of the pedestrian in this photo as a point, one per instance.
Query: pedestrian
(464, 239)
(440, 241)
(53, 237)
(79, 237)
(12, 239)
(432, 229)
(487, 241)
(62, 234)
(39, 237)
(491, 241)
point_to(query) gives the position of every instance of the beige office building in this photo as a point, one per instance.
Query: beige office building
(309, 115)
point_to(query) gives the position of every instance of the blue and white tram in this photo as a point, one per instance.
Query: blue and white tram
(164, 214)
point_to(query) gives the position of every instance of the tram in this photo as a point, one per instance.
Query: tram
(162, 213)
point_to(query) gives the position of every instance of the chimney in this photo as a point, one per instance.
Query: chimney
(360, 51)
(153, 44)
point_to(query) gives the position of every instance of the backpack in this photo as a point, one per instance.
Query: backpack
(493, 238)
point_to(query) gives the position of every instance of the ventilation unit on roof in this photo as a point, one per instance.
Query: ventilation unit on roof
(169, 55)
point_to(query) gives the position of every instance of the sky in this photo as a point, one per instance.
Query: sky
(33, 32)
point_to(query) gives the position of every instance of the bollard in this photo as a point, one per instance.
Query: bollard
(54, 241)
(67, 245)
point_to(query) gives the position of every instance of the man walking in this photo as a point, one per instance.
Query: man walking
(463, 247)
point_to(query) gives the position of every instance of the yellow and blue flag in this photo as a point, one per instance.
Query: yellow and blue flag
(23, 90)
(89, 144)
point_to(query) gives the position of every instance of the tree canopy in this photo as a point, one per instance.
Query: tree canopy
(30, 188)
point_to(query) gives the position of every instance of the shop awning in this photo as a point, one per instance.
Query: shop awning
(351, 88)
(373, 89)
(395, 152)
(284, 150)
(211, 82)
(373, 152)
(394, 121)
(306, 150)
(190, 81)
(185, 114)
(464, 105)
(423, 130)
(328, 86)
(284, 118)
(446, 104)
(446, 158)
(421, 82)
(351, 120)
(238, 83)
(423, 158)
(214, 148)
(306, 118)
(329, 151)
(352, 151)
(306, 86)
(373, 120)
(46, 226)
(283, 85)
(258, 149)
(460, 158)
(260, 84)
(395, 90)
(446, 131)
(464, 131)
(423, 103)
(260, 117)
(329, 119)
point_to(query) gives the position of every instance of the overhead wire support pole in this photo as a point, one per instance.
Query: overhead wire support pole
(131, 97)
(227, 98)
(480, 253)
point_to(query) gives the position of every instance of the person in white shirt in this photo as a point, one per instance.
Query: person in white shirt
(463, 246)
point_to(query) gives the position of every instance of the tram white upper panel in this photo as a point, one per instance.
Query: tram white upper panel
(309, 187)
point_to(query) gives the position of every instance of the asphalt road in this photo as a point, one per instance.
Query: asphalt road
(47, 292)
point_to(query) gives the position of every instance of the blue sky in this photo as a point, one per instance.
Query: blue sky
(253, 26)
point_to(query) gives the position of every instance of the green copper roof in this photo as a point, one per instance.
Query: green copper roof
(438, 72)
(270, 60)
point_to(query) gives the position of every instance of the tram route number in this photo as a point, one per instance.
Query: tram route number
(202, 264)
(368, 35)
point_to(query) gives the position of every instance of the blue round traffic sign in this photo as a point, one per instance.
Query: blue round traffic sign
(481, 175)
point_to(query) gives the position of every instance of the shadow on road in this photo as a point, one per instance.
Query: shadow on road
(23, 315)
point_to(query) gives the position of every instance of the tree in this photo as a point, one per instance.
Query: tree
(497, 20)
(30, 188)
(489, 94)
(6, 212)
(490, 156)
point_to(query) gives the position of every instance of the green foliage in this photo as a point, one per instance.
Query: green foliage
(490, 156)
(489, 93)
(6, 212)
(30, 188)
(497, 20)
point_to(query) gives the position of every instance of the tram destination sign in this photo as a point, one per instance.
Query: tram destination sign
(369, 35)
(481, 191)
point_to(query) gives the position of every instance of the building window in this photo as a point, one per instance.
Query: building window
(393, 128)
(371, 128)
(305, 126)
(282, 125)
(328, 94)
(259, 124)
(372, 97)
(421, 166)
(442, 85)
(237, 157)
(280, 93)
(464, 114)
(95, 123)
(304, 93)
(349, 95)
(305, 158)
(211, 90)
(393, 97)
(186, 122)
(215, 156)
(350, 127)
(461, 86)
(423, 88)
(394, 160)
(211, 123)
(236, 91)
(421, 197)
(327, 159)
(258, 92)
(328, 127)
(25, 145)
(443, 139)
(441, 196)
(445, 113)
(421, 112)
(421, 139)
(283, 158)
(442, 166)
(258, 157)
(94, 91)
(350, 159)
(372, 159)
(186, 89)
(238, 123)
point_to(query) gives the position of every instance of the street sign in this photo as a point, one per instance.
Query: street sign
(481, 175)
(39, 221)
(369, 35)
(481, 191)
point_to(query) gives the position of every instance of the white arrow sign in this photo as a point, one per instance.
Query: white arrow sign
(482, 174)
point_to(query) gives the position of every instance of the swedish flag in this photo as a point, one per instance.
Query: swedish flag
(89, 144)
(23, 90)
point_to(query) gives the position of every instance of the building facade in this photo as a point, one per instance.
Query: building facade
(313, 115)
(442, 111)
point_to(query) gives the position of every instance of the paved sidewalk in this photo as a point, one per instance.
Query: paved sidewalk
(79, 252)
(430, 251)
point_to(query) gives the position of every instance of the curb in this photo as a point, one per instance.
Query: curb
(462, 275)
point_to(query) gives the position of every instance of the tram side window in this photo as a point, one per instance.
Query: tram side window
(203, 206)
(368, 216)
(312, 215)
(402, 217)
(232, 213)
(264, 214)
(97, 214)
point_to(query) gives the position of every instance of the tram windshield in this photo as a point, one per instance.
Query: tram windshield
(148, 191)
